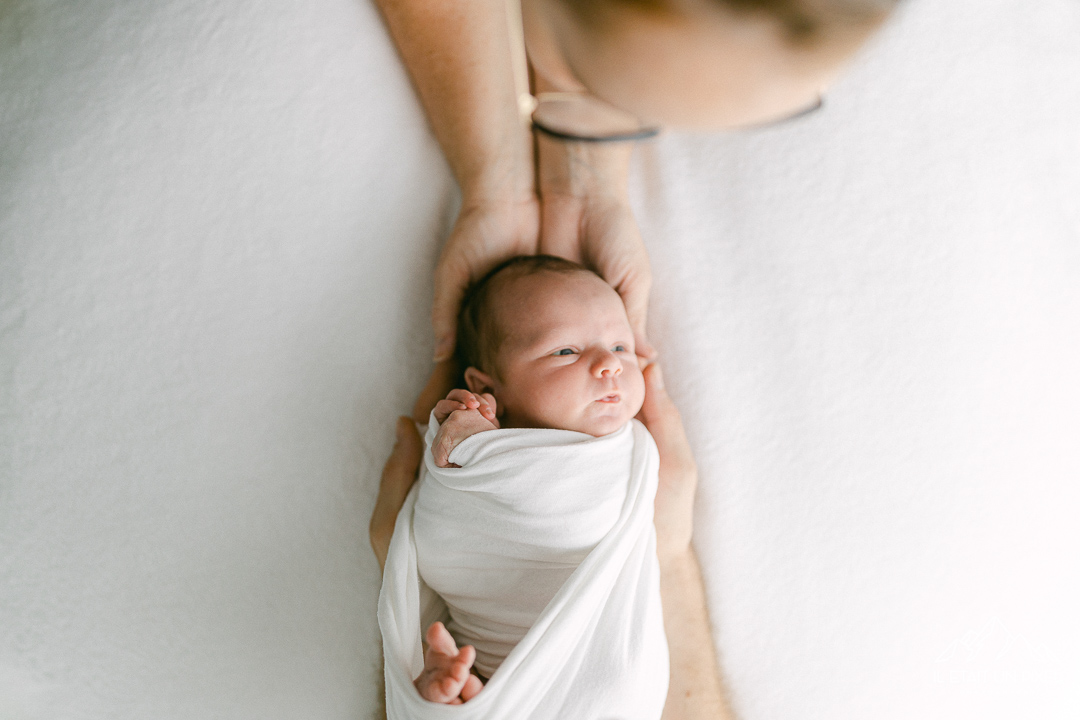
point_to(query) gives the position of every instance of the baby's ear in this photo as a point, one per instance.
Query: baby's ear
(478, 381)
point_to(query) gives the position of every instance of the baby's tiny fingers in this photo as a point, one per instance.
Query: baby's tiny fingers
(463, 396)
(444, 408)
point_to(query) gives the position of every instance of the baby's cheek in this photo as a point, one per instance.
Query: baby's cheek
(637, 396)
(553, 408)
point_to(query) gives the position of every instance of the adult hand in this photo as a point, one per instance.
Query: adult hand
(601, 234)
(586, 217)
(484, 235)
(398, 477)
(674, 506)
(400, 470)
(695, 688)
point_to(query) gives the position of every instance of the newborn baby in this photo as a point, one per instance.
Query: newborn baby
(546, 344)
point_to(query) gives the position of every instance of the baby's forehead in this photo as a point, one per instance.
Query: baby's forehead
(529, 307)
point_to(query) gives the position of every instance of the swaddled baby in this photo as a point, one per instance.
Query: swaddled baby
(533, 518)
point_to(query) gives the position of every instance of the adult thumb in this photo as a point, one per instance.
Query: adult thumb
(450, 284)
(635, 296)
(404, 460)
(657, 403)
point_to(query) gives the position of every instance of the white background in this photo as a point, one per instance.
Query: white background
(218, 223)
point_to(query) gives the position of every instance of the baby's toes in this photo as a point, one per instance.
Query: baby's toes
(451, 686)
(464, 660)
(445, 686)
(472, 688)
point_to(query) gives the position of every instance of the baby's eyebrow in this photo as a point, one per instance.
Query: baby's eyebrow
(539, 336)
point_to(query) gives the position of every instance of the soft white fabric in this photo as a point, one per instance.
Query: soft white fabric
(542, 546)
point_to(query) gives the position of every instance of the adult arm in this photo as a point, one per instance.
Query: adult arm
(458, 55)
(695, 689)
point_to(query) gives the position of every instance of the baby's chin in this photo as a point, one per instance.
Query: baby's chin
(608, 423)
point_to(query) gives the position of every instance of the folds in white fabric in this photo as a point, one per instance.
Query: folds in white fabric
(543, 547)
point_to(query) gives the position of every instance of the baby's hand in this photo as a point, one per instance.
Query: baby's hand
(461, 415)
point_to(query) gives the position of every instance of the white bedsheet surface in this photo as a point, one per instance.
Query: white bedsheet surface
(217, 227)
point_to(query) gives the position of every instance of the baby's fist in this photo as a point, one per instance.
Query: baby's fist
(460, 417)
(459, 399)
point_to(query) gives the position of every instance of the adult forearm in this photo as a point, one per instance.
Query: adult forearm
(695, 691)
(458, 55)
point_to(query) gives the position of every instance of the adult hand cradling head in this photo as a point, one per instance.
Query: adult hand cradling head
(712, 64)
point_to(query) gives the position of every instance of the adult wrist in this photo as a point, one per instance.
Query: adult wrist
(585, 171)
(496, 200)
(508, 178)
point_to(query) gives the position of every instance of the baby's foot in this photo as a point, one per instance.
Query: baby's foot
(446, 677)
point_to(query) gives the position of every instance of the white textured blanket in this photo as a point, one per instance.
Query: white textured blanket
(542, 546)
(218, 226)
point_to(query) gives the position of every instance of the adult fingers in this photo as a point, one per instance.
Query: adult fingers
(398, 476)
(662, 419)
(451, 278)
(400, 469)
(484, 235)
(616, 251)
(673, 510)
(634, 291)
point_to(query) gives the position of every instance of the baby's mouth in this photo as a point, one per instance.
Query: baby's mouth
(611, 398)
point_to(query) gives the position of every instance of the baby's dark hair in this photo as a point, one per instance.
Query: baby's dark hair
(479, 335)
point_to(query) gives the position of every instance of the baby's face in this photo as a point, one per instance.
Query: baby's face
(568, 359)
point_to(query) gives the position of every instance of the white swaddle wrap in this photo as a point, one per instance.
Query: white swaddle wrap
(543, 547)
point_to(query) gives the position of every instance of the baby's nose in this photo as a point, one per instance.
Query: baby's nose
(607, 365)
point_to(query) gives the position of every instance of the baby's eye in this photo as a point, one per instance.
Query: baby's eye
(619, 348)
(564, 351)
